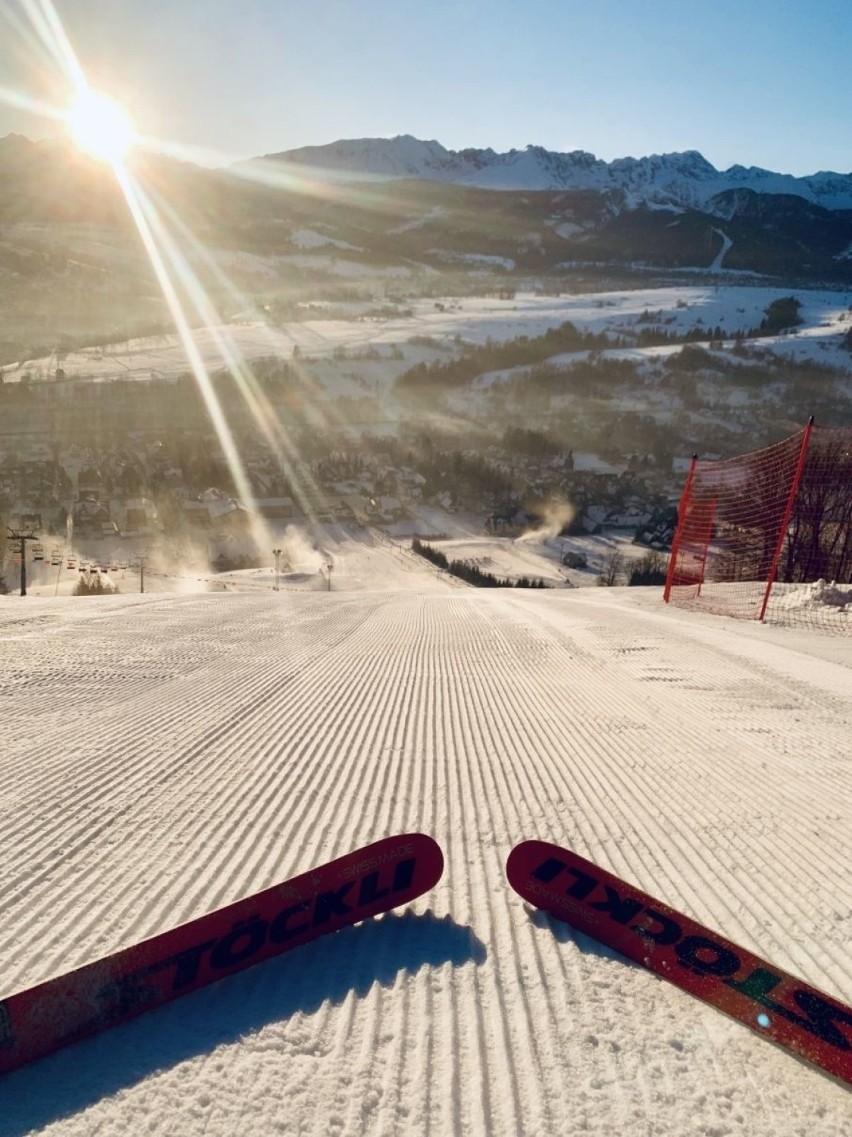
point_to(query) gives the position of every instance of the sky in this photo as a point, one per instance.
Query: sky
(755, 82)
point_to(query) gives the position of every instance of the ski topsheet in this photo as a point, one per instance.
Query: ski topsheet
(374, 879)
(768, 1000)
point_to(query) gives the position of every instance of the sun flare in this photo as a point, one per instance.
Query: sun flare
(100, 126)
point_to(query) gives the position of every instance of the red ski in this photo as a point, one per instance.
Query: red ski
(771, 1002)
(374, 879)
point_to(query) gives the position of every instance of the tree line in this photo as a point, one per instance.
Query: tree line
(471, 573)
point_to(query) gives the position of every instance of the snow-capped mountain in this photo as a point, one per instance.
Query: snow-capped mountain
(684, 179)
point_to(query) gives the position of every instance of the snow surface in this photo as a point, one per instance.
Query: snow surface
(826, 317)
(166, 754)
(310, 239)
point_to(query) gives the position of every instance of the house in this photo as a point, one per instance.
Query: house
(390, 508)
(92, 517)
(410, 483)
(140, 517)
(91, 483)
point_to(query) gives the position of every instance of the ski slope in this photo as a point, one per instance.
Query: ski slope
(164, 755)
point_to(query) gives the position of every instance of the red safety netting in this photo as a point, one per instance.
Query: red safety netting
(768, 535)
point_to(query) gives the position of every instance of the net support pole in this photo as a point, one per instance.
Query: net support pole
(706, 552)
(681, 517)
(788, 511)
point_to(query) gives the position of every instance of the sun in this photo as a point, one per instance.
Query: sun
(100, 126)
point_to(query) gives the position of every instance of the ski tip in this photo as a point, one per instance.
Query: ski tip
(525, 853)
(425, 851)
(431, 853)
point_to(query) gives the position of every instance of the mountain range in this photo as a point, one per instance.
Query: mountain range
(685, 179)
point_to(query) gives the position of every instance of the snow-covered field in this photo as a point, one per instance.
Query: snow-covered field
(164, 755)
(826, 317)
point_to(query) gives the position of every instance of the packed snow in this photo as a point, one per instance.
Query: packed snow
(166, 754)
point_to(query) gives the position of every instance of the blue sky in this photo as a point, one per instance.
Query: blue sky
(757, 82)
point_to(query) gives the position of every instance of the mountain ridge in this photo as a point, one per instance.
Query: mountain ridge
(684, 178)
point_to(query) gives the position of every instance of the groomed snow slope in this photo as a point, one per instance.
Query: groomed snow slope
(164, 755)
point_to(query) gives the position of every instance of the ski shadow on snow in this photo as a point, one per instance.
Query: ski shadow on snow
(329, 970)
(564, 933)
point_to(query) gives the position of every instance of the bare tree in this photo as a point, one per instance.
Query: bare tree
(819, 538)
(611, 568)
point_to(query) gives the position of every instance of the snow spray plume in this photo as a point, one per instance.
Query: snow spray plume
(299, 551)
(555, 516)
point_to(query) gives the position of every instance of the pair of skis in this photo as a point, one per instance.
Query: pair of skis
(393, 872)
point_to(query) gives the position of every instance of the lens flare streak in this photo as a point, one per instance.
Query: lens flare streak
(262, 411)
(25, 103)
(139, 210)
(255, 398)
(48, 26)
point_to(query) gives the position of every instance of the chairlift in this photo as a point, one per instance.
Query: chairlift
(38, 552)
